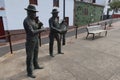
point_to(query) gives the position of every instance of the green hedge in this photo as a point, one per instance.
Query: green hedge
(87, 13)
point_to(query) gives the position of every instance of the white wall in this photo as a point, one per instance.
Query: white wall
(101, 2)
(2, 5)
(70, 10)
(106, 8)
(3, 14)
(15, 12)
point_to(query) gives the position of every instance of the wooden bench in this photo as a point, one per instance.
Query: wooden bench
(95, 29)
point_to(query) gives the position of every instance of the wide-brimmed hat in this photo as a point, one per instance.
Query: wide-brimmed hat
(31, 7)
(55, 11)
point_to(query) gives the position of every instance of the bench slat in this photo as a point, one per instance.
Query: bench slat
(97, 31)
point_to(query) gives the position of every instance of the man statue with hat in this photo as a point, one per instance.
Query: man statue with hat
(55, 32)
(32, 30)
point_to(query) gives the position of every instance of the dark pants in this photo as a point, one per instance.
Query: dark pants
(51, 42)
(32, 48)
(63, 39)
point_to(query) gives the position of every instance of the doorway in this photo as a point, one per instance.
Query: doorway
(2, 31)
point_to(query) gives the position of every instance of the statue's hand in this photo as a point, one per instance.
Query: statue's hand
(40, 24)
(43, 29)
(60, 31)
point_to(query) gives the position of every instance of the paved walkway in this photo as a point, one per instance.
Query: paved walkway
(89, 59)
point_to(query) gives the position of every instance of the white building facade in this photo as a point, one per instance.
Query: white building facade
(14, 12)
(2, 18)
(107, 12)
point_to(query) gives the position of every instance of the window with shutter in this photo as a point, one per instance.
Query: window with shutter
(55, 3)
(94, 1)
(33, 2)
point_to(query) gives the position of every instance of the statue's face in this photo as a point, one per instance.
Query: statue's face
(32, 14)
(55, 14)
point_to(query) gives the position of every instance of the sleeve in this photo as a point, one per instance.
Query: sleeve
(52, 26)
(30, 30)
(40, 25)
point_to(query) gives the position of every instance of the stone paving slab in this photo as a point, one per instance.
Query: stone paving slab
(97, 59)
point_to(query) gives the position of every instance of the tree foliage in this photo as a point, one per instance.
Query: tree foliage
(115, 5)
